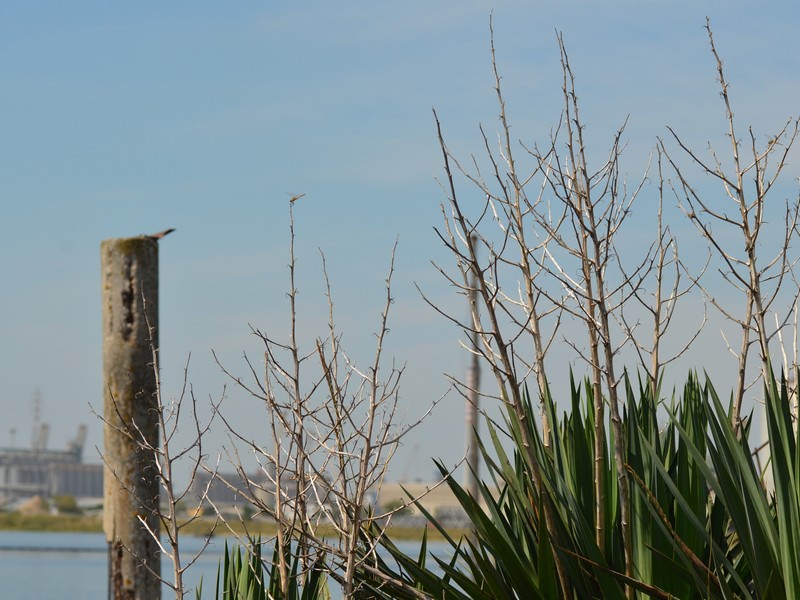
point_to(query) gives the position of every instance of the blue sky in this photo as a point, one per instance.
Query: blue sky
(203, 116)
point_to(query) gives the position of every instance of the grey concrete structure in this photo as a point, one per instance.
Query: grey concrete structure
(36, 471)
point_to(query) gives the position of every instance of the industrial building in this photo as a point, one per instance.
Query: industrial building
(37, 471)
(228, 490)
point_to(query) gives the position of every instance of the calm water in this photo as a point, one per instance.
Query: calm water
(73, 566)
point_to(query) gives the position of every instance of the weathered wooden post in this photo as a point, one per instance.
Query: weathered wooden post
(130, 287)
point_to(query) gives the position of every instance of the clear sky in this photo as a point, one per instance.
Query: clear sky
(118, 120)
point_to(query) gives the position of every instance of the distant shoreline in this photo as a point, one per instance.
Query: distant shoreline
(13, 521)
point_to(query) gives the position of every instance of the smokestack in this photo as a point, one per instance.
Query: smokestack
(44, 433)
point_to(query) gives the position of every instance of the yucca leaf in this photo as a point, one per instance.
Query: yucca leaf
(785, 464)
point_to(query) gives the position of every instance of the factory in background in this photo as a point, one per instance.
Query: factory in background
(37, 471)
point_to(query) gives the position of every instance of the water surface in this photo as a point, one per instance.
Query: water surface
(37, 565)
